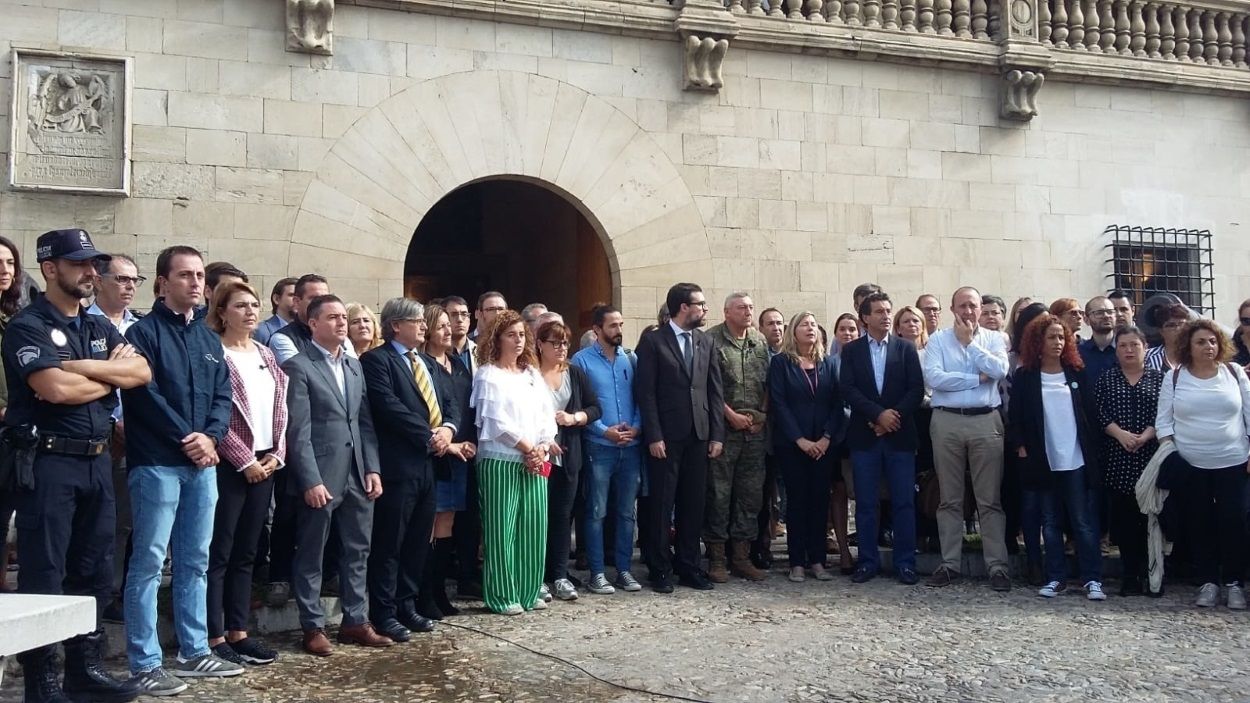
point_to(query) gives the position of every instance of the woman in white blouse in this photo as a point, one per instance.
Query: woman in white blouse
(253, 449)
(516, 440)
(1204, 407)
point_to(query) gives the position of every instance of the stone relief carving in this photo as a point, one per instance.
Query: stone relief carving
(70, 126)
(310, 26)
(704, 57)
(1020, 89)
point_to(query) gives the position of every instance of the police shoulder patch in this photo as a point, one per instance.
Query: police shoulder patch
(25, 355)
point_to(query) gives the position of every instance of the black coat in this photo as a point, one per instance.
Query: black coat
(400, 415)
(795, 410)
(581, 399)
(675, 404)
(1027, 427)
(902, 390)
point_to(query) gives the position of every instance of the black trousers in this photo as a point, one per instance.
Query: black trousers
(467, 531)
(561, 495)
(65, 528)
(808, 482)
(1127, 525)
(764, 521)
(403, 523)
(1213, 501)
(282, 530)
(678, 490)
(240, 515)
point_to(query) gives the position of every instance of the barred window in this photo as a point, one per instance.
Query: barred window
(1151, 260)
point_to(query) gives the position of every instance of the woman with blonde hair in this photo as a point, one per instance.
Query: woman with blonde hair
(364, 330)
(807, 424)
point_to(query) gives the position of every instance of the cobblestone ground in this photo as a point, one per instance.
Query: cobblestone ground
(781, 641)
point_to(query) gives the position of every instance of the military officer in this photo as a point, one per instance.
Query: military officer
(735, 486)
(62, 368)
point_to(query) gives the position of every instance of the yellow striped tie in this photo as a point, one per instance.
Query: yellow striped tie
(422, 376)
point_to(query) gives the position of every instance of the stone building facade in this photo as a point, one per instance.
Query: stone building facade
(792, 150)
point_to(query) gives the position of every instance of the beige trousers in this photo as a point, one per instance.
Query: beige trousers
(974, 441)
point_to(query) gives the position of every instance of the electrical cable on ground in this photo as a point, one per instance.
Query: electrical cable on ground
(566, 662)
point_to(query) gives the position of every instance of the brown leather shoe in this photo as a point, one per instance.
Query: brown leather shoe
(363, 635)
(943, 577)
(317, 644)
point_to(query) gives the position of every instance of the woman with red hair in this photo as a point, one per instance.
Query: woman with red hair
(1052, 430)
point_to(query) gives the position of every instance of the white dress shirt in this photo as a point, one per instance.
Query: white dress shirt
(954, 371)
(877, 353)
(336, 362)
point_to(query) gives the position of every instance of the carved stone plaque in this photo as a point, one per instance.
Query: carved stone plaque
(71, 123)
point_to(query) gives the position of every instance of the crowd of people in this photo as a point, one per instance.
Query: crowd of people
(380, 455)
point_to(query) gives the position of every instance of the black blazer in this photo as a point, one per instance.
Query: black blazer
(902, 390)
(1027, 426)
(582, 399)
(796, 412)
(675, 405)
(401, 416)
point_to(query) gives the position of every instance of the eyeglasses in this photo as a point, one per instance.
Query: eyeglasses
(463, 315)
(698, 304)
(562, 344)
(931, 309)
(1102, 313)
(126, 280)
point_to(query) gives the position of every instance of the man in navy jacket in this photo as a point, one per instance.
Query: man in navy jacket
(882, 381)
(173, 427)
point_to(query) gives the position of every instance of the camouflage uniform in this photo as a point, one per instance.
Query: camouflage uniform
(735, 486)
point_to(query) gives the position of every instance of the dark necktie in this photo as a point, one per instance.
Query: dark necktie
(688, 352)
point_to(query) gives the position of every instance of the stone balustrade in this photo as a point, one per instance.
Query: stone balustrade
(1204, 35)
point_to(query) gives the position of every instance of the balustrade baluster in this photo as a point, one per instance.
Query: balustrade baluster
(1043, 23)
(907, 15)
(796, 9)
(872, 13)
(943, 9)
(962, 11)
(815, 10)
(735, 6)
(755, 7)
(1239, 41)
(924, 15)
(1225, 37)
(1152, 30)
(995, 24)
(1076, 27)
(1106, 27)
(1059, 25)
(1182, 34)
(1196, 45)
(1121, 27)
(889, 14)
(1137, 28)
(833, 11)
(852, 12)
(1210, 39)
(980, 19)
(776, 8)
(1092, 34)
(1167, 33)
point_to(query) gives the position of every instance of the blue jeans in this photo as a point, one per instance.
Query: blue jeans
(899, 469)
(616, 471)
(1068, 496)
(174, 506)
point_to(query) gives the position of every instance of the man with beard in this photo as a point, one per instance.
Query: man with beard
(1123, 309)
(1098, 352)
(63, 366)
(613, 459)
(679, 396)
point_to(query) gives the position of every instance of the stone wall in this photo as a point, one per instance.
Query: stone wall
(801, 178)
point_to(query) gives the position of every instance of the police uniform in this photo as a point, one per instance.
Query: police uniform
(65, 513)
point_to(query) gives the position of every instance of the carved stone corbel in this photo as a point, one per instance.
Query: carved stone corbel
(1020, 88)
(310, 26)
(705, 28)
(1023, 60)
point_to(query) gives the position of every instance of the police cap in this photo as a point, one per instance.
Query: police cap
(70, 244)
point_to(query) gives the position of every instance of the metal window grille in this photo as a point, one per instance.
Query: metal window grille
(1150, 260)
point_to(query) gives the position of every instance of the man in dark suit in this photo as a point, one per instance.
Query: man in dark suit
(882, 381)
(333, 459)
(415, 422)
(679, 394)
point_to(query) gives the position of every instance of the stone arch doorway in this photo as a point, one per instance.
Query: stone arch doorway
(368, 196)
(519, 237)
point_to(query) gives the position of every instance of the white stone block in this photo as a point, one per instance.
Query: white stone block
(264, 46)
(248, 185)
(172, 181)
(739, 152)
(404, 27)
(204, 39)
(904, 105)
(30, 24)
(429, 61)
(860, 102)
(786, 95)
(336, 119)
(150, 107)
(272, 151)
(459, 33)
(165, 144)
(215, 112)
(263, 221)
(255, 80)
(292, 118)
(887, 133)
(203, 75)
(160, 71)
(764, 64)
(966, 167)
(216, 148)
(519, 63)
(250, 13)
(778, 214)
(855, 160)
(369, 56)
(323, 86)
(91, 30)
(779, 154)
(144, 216)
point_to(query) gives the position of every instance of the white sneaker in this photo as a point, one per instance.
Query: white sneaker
(514, 609)
(599, 584)
(1236, 597)
(545, 593)
(797, 574)
(1051, 589)
(626, 582)
(564, 589)
(1093, 591)
(1207, 595)
(540, 604)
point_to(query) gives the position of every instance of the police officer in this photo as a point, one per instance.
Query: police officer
(735, 485)
(62, 366)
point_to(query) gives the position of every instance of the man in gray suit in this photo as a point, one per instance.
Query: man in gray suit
(333, 458)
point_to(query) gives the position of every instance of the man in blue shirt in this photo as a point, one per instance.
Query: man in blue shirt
(613, 456)
(1098, 352)
(282, 299)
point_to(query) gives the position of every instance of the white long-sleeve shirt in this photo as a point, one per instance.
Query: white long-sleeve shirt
(954, 371)
(511, 406)
(1208, 418)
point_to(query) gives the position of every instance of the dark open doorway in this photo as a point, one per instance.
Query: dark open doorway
(515, 237)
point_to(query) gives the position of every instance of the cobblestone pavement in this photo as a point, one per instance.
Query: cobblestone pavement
(781, 641)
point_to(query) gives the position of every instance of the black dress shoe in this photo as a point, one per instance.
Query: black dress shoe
(416, 622)
(696, 580)
(662, 584)
(393, 629)
(908, 577)
(863, 575)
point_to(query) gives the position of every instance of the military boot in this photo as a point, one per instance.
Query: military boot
(39, 671)
(86, 678)
(716, 572)
(741, 564)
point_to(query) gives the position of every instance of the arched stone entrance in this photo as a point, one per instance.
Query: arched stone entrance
(358, 214)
